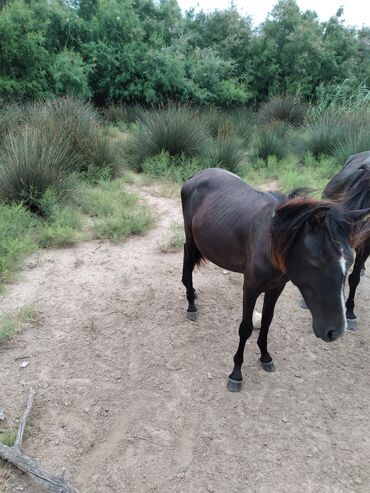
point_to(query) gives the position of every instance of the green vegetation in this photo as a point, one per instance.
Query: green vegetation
(148, 52)
(10, 323)
(116, 213)
(176, 130)
(57, 163)
(175, 239)
(7, 437)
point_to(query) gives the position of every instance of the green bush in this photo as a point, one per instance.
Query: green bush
(282, 108)
(237, 122)
(70, 75)
(33, 160)
(225, 152)
(175, 130)
(272, 140)
(81, 127)
(328, 132)
(352, 145)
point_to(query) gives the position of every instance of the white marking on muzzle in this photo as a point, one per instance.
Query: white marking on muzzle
(342, 262)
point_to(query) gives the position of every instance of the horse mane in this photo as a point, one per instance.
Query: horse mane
(290, 218)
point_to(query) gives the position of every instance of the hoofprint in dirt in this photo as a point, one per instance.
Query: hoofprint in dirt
(131, 396)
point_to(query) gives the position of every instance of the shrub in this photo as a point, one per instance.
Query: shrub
(327, 133)
(237, 122)
(225, 152)
(80, 126)
(32, 160)
(352, 145)
(272, 140)
(282, 108)
(176, 130)
(121, 113)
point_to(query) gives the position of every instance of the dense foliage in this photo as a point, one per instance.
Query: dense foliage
(148, 51)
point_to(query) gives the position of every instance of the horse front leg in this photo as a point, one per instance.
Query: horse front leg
(234, 383)
(353, 281)
(269, 303)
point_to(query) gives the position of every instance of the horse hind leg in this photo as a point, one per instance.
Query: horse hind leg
(192, 256)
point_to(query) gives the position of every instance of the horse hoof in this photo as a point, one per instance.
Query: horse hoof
(303, 304)
(269, 367)
(351, 324)
(234, 385)
(192, 316)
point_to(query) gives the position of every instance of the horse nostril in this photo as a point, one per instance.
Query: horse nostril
(330, 335)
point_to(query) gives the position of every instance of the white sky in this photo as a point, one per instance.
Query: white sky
(356, 12)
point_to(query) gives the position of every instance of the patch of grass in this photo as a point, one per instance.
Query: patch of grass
(272, 140)
(282, 108)
(17, 231)
(237, 123)
(176, 130)
(7, 437)
(174, 240)
(353, 145)
(225, 152)
(117, 214)
(9, 324)
(176, 169)
(33, 160)
(290, 173)
(327, 133)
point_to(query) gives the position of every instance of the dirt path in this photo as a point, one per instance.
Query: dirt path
(131, 397)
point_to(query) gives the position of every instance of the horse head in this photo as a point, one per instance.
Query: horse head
(312, 242)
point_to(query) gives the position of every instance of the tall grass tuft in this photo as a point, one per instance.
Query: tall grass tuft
(282, 108)
(353, 145)
(120, 113)
(11, 115)
(225, 152)
(236, 122)
(33, 160)
(81, 127)
(176, 130)
(325, 134)
(272, 140)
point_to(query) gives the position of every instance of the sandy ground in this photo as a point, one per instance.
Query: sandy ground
(131, 396)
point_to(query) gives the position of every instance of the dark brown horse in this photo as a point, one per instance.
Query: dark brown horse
(270, 240)
(351, 186)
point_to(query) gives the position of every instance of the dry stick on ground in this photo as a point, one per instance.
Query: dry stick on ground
(54, 484)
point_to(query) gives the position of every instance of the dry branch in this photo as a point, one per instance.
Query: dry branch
(53, 484)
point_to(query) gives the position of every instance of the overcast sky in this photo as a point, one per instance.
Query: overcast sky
(356, 12)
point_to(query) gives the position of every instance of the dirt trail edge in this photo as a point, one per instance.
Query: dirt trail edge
(131, 396)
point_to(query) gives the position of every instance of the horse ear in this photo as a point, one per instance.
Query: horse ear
(357, 216)
(318, 216)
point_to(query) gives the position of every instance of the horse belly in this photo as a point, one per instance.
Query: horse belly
(220, 252)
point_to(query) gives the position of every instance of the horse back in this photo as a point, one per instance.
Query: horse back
(352, 171)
